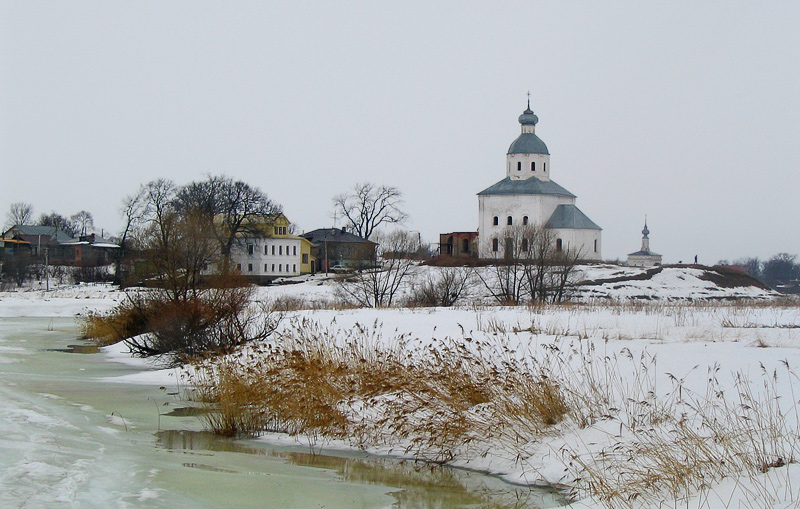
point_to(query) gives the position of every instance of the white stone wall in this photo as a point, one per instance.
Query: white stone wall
(523, 162)
(644, 260)
(538, 208)
(581, 240)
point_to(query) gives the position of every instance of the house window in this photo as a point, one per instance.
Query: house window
(249, 267)
(496, 220)
(239, 266)
(294, 267)
(465, 246)
(533, 165)
(265, 251)
(495, 245)
(524, 219)
(280, 250)
(273, 267)
(294, 250)
(280, 267)
(273, 250)
(524, 245)
(250, 249)
(509, 221)
(595, 245)
(266, 269)
(559, 245)
(519, 166)
(305, 258)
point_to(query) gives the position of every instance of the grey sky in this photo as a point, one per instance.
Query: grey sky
(685, 111)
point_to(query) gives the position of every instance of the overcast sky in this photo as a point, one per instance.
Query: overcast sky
(686, 111)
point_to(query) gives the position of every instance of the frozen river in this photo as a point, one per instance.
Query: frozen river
(70, 437)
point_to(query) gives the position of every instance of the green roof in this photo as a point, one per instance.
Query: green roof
(528, 143)
(570, 217)
(531, 185)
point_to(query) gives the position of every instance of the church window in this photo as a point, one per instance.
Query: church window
(533, 165)
(509, 254)
(524, 245)
(496, 220)
(249, 267)
(250, 249)
(524, 219)
(544, 167)
(595, 245)
(509, 221)
(559, 245)
(465, 246)
(495, 245)
(519, 165)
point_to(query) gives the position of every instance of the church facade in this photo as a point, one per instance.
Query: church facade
(528, 196)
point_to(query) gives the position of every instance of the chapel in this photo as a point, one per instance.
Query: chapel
(528, 196)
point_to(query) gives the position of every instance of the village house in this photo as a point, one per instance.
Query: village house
(337, 248)
(274, 253)
(57, 247)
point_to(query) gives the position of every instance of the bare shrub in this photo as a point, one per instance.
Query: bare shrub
(443, 287)
(379, 287)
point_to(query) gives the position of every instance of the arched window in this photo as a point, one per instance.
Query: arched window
(509, 221)
(495, 245)
(524, 219)
(496, 220)
(559, 245)
(544, 167)
(519, 165)
(595, 245)
(524, 245)
(533, 165)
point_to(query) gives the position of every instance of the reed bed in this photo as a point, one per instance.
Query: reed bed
(477, 394)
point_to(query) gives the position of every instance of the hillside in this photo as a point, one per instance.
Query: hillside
(670, 282)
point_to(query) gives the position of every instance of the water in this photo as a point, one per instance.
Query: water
(70, 437)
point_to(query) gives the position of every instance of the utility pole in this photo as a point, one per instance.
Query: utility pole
(47, 267)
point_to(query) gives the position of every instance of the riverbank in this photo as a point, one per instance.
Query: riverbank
(718, 377)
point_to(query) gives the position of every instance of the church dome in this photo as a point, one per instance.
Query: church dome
(528, 142)
(528, 117)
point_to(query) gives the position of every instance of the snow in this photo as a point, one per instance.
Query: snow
(683, 343)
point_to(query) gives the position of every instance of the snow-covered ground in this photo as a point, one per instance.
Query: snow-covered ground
(727, 347)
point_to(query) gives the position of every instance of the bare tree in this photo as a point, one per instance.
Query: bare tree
(133, 211)
(19, 213)
(235, 208)
(367, 206)
(531, 266)
(83, 221)
(178, 245)
(378, 287)
(443, 286)
(58, 221)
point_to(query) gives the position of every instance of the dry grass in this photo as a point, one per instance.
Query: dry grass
(460, 397)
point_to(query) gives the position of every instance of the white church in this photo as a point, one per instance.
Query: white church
(528, 196)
